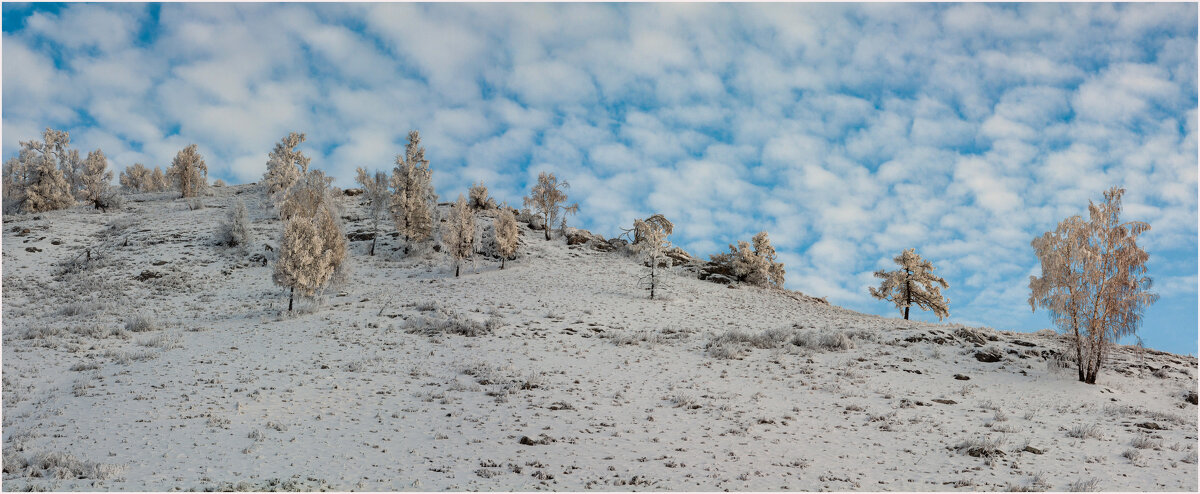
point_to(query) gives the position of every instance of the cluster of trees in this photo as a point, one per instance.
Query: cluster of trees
(47, 175)
(752, 262)
(1093, 281)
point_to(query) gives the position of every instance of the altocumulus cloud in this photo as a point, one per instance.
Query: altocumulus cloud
(849, 132)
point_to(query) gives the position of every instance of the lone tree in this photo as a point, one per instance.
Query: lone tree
(95, 179)
(1093, 280)
(413, 198)
(505, 226)
(313, 249)
(653, 246)
(913, 283)
(377, 195)
(34, 181)
(547, 197)
(285, 165)
(235, 230)
(459, 236)
(479, 199)
(188, 171)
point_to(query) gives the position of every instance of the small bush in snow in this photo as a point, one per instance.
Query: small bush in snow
(454, 324)
(57, 465)
(141, 323)
(1146, 442)
(235, 230)
(1089, 431)
(1084, 485)
(981, 446)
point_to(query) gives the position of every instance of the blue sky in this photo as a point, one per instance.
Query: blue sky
(849, 132)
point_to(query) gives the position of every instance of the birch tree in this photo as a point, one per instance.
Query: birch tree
(158, 180)
(547, 198)
(188, 172)
(913, 283)
(378, 197)
(413, 198)
(505, 226)
(285, 164)
(459, 235)
(1093, 281)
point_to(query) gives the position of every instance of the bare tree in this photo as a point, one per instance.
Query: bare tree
(285, 165)
(505, 227)
(413, 198)
(913, 283)
(188, 171)
(377, 196)
(1093, 281)
(459, 236)
(313, 249)
(95, 179)
(653, 246)
(547, 198)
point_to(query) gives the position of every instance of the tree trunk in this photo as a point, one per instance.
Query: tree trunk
(291, 297)
(907, 297)
(456, 266)
(501, 262)
(546, 224)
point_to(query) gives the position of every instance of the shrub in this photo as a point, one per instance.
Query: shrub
(141, 323)
(235, 230)
(1085, 432)
(479, 199)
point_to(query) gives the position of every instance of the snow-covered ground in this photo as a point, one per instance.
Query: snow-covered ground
(579, 382)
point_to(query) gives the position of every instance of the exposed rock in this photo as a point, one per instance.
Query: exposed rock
(352, 192)
(32, 249)
(147, 275)
(1031, 449)
(1023, 343)
(1190, 397)
(961, 377)
(944, 402)
(988, 356)
(1154, 426)
(360, 236)
(971, 336)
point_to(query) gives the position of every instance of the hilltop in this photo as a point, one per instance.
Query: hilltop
(138, 355)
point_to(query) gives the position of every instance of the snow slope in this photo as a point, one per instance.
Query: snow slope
(580, 381)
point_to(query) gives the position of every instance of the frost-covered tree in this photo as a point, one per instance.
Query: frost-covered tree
(285, 165)
(378, 198)
(96, 179)
(313, 248)
(188, 172)
(158, 181)
(1093, 281)
(135, 178)
(235, 230)
(72, 168)
(459, 235)
(913, 283)
(547, 198)
(34, 180)
(479, 197)
(653, 247)
(753, 263)
(413, 198)
(505, 227)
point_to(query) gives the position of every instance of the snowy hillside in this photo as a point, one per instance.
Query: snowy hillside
(166, 362)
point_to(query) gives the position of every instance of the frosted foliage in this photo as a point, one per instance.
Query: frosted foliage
(285, 165)
(313, 249)
(34, 181)
(136, 178)
(188, 173)
(505, 226)
(413, 199)
(913, 283)
(459, 236)
(641, 228)
(654, 245)
(479, 197)
(96, 177)
(764, 250)
(1093, 281)
(547, 198)
(72, 168)
(235, 230)
(377, 197)
(158, 181)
